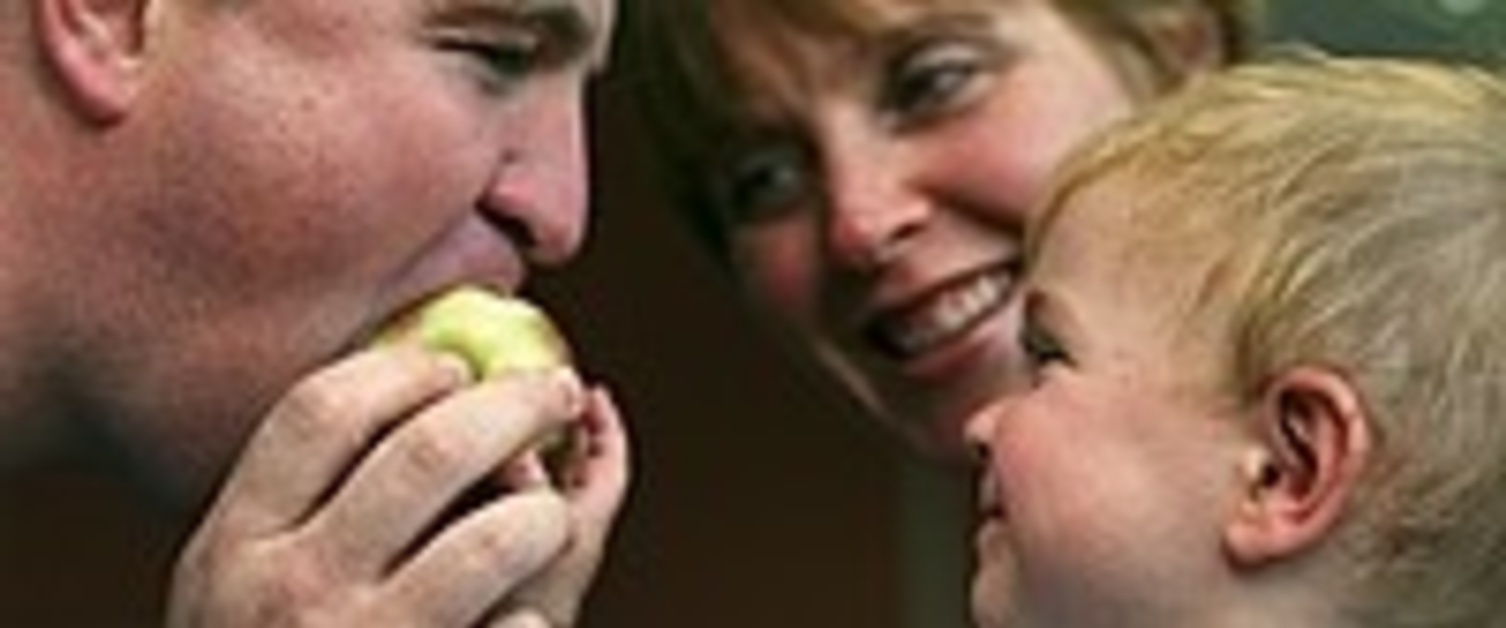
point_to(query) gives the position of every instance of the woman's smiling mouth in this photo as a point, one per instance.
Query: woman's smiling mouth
(947, 313)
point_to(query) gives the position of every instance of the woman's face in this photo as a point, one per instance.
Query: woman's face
(877, 191)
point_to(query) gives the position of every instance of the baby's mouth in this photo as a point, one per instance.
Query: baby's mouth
(989, 498)
(942, 316)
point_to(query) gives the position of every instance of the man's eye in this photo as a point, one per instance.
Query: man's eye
(509, 57)
(933, 79)
(516, 56)
(763, 184)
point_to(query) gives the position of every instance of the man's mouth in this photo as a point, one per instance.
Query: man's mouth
(942, 316)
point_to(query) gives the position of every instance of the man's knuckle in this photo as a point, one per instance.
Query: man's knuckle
(312, 408)
(429, 452)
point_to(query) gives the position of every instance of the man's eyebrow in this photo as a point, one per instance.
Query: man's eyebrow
(580, 36)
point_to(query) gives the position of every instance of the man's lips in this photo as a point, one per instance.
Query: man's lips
(949, 312)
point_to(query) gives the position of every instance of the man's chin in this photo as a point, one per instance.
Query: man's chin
(178, 479)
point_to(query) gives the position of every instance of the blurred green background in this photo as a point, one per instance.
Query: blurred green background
(1471, 29)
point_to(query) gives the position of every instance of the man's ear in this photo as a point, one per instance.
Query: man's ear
(1315, 438)
(1186, 38)
(96, 49)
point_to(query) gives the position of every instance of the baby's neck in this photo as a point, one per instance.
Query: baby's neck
(1304, 608)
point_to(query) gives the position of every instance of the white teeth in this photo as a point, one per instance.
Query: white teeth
(946, 315)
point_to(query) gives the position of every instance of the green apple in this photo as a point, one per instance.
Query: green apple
(494, 334)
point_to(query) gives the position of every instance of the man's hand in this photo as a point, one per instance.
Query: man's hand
(342, 511)
(595, 482)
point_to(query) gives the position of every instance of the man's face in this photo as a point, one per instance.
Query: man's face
(293, 172)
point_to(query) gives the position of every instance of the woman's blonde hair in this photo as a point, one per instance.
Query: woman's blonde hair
(1354, 212)
(676, 62)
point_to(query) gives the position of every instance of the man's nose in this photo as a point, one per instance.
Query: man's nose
(538, 194)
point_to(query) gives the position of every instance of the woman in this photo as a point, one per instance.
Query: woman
(865, 167)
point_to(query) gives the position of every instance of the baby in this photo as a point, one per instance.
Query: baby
(1266, 329)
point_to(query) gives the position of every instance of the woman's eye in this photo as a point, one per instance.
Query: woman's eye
(762, 184)
(933, 79)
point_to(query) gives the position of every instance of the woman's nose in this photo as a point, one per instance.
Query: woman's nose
(874, 205)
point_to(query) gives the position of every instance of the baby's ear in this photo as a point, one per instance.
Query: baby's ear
(95, 49)
(1314, 440)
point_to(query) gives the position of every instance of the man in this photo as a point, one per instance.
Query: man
(206, 204)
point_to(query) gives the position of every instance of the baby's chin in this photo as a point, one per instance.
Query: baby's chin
(995, 592)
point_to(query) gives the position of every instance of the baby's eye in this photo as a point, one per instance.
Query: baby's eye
(934, 78)
(763, 183)
(1041, 348)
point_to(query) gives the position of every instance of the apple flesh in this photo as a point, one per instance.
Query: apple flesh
(494, 334)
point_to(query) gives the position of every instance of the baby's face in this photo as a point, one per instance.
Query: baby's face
(1108, 473)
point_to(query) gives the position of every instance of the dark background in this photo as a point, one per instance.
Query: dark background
(759, 500)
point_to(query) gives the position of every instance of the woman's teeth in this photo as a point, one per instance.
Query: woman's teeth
(945, 316)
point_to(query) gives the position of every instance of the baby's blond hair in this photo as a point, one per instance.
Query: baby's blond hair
(1353, 215)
